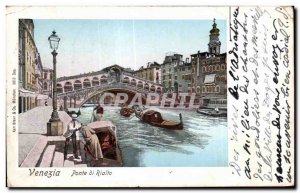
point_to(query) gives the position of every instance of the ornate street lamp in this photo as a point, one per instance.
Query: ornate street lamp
(54, 126)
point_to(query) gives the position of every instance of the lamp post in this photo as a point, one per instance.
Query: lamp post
(54, 126)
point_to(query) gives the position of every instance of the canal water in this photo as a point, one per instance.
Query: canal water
(202, 142)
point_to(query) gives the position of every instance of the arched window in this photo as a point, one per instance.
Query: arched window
(68, 87)
(59, 88)
(223, 67)
(77, 85)
(45, 87)
(140, 84)
(203, 68)
(126, 80)
(217, 88)
(103, 79)
(158, 90)
(95, 81)
(86, 83)
(203, 89)
(133, 82)
(146, 86)
(218, 67)
(152, 88)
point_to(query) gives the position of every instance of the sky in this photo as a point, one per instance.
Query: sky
(91, 45)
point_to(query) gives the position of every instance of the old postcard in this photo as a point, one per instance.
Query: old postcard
(150, 96)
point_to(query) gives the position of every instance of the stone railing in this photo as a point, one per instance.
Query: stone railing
(112, 85)
(142, 79)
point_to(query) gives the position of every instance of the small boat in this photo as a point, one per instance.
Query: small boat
(154, 118)
(212, 112)
(89, 105)
(126, 111)
(106, 132)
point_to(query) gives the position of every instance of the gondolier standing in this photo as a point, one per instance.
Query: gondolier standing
(99, 112)
(92, 142)
(70, 134)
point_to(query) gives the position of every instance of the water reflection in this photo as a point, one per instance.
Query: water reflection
(141, 143)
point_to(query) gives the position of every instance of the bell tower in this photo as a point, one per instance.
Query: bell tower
(214, 44)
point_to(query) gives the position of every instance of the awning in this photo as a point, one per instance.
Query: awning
(42, 97)
(26, 93)
(209, 78)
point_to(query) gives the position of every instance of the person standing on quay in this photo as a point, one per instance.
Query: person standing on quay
(71, 134)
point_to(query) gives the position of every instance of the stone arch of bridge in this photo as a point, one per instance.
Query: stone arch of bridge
(130, 92)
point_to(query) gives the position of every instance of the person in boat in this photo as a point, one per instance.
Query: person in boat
(71, 134)
(99, 112)
(108, 145)
(92, 144)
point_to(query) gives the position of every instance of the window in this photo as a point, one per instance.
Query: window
(223, 67)
(182, 77)
(218, 68)
(183, 69)
(175, 77)
(45, 75)
(218, 89)
(203, 89)
(170, 76)
(45, 86)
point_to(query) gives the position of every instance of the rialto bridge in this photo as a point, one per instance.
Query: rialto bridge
(74, 91)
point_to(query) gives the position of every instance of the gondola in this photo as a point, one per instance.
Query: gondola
(126, 111)
(212, 113)
(107, 135)
(154, 118)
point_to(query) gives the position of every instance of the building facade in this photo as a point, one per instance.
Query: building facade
(27, 65)
(47, 81)
(152, 72)
(171, 61)
(183, 77)
(30, 67)
(210, 70)
(39, 74)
